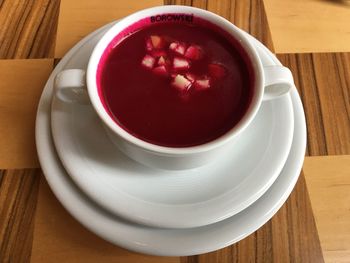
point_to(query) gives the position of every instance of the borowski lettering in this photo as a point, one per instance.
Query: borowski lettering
(172, 18)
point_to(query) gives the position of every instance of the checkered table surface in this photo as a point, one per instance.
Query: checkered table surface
(310, 37)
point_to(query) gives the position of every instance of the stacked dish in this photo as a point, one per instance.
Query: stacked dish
(167, 212)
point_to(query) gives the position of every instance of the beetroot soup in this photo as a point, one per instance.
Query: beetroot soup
(175, 84)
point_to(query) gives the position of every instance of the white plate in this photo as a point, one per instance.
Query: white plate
(158, 241)
(170, 199)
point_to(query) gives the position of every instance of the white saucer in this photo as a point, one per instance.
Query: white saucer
(170, 199)
(158, 241)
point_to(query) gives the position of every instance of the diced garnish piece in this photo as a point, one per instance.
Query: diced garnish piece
(191, 77)
(216, 70)
(157, 41)
(149, 46)
(148, 61)
(162, 61)
(181, 83)
(194, 52)
(180, 63)
(161, 70)
(201, 84)
(158, 53)
(178, 48)
(173, 46)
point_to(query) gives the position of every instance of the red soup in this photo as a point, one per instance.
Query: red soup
(176, 84)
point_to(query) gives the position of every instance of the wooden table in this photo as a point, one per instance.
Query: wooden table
(311, 37)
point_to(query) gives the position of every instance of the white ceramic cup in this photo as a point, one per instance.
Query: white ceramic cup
(71, 85)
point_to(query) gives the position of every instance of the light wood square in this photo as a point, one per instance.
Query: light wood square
(328, 183)
(58, 237)
(22, 82)
(299, 26)
(79, 18)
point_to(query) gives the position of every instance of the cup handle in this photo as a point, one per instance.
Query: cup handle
(278, 81)
(70, 86)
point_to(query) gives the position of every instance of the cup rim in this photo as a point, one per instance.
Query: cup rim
(206, 15)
